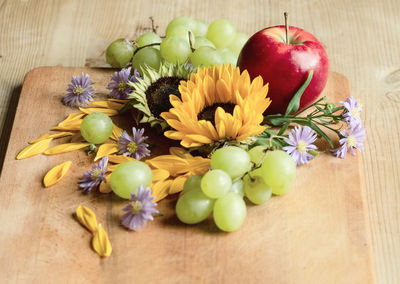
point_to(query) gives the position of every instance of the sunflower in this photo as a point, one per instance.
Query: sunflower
(152, 90)
(217, 104)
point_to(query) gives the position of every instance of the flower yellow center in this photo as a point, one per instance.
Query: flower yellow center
(136, 207)
(78, 90)
(96, 173)
(355, 112)
(351, 141)
(301, 146)
(132, 147)
(122, 86)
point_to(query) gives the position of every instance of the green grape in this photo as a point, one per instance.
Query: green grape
(256, 190)
(229, 57)
(192, 183)
(233, 160)
(96, 128)
(175, 49)
(257, 153)
(238, 42)
(182, 32)
(229, 212)
(148, 38)
(237, 187)
(221, 32)
(119, 53)
(216, 183)
(202, 41)
(127, 178)
(181, 21)
(279, 171)
(206, 56)
(200, 28)
(193, 207)
(146, 56)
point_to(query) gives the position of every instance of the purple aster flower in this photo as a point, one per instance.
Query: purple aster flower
(300, 141)
(352, 114)
(80, 91)
(119, 83)
(351, 140)
(140, 210)
(94, 177)
(133, 146)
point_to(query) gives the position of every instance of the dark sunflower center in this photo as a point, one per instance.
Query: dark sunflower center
(208, 113)
(157, 94)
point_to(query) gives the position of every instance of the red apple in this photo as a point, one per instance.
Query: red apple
(285, 66)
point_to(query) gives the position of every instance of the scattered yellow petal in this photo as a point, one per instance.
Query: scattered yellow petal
(111, 168)
(171, 163)
(177, 185)
(87, 218)
(100, 242)
(71, 117)
(73, 125)
(118, 101)
(159, 174)
(105, 186)
(56, 174)
(63, 148)
(119, 159)
(116, 132)
(180, 152)
(51, 135)
(34, 149)
(160, 189)
(106, 149)
(107, 111)
(107, 104)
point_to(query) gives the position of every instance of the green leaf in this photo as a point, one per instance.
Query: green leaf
(295, 101)
(283, 128)
(278, 121)
(321, 133)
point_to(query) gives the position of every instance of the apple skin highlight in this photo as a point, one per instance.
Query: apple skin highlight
(285, 66)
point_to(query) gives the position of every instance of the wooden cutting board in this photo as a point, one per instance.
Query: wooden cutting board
(317, 233)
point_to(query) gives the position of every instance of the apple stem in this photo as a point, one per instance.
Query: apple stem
(286, 26)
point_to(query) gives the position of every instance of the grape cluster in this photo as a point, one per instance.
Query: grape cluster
(235, 173)
(186, 40)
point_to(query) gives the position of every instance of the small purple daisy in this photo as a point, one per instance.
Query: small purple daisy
(140, 210)
(133, 146)
(351, 140)
(119, 83)
(300, 141)
(80, 91)
(352, 114)
(94, 177)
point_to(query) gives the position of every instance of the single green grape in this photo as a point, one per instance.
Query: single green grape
(200, 28)
(238, 42)
(148, 38)
(229, 57)
(96, 128)
(127, 177)
(175, 49)
(221, 32)
(202, 41)
(279, 171)
(256, 190)
(237, 187)
(181, 21)
(119, 53)
(233, 160)
(216, 183)
(206, 56)
(193, 207)
(146, 56)
(229, 212)
(182, 32)
(257, 154)
(192, 183)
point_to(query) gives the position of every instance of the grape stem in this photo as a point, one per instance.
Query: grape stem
(286, 15)
(153, 26)
(190, 41)
(141, 47)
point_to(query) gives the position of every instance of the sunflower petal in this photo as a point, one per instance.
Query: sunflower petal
(105, 150)
(87, 218)
(100, 242)
(105, 186)
(63, 148)
(107, 111)
(56, 174)
(51, 135)
(119, 159)
(34, 149)
(177, 185)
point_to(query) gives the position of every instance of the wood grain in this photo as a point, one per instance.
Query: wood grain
(362, 38)
(316, 233)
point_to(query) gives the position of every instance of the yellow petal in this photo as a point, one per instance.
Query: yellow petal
(63, 148)
(119, 159)
(111, 168)
(177, 185)
(56, 174)
(107, 111)
(180, 152)
(105, 186)
(71, 117)
(160, 189)
(100, 242)
(51, 135)
(118, 101)
(73, 125)
(105, 150)
(34, 149)
(107, 104)
(171, 163)
(87, 218)
(159, 174)
(116, 132)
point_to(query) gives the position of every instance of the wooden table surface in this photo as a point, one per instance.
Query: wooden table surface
(362, 38)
